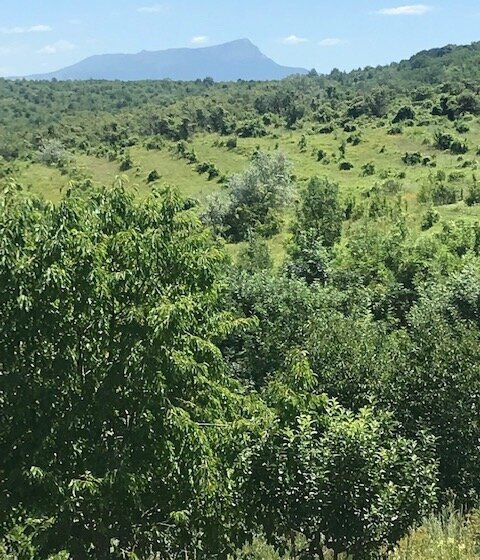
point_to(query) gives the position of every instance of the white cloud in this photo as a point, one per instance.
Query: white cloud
(294, 40)
(331, 42)
(153, 9)
(31, 29)
(58, 47)
(199, 40)
(412, 10)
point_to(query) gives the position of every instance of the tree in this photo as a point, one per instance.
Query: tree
(116, 416)
(53, 153)
(308, 258)
(256, 256)
(256, 198)
(438, 387)
(319, 213)
(350, 482)
(376, 482)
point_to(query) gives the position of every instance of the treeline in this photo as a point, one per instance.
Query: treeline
(431, 86)
(157, 400)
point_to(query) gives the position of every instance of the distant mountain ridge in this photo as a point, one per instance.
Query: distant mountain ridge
(231, 61)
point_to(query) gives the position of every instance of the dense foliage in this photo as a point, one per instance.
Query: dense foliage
(160, 398)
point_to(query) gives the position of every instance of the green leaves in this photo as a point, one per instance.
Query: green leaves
(255, 199)
(110, 376)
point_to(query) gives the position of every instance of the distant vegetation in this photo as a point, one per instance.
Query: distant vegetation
(277, 357)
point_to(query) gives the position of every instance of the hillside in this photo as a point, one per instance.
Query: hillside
(429, 67)
(333, 126)
(241, 320)
(227, 62)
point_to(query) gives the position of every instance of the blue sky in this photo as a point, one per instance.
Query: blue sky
(44, 35)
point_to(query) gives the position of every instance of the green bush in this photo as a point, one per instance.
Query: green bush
(368, 169)
(126, 163)
(442, 140)
(412, 158)
(258, 549)
(429, 219)
(232, 143)
(209, 168)
(404, 114)
(458, 147)
(473, 196)
(153, 176)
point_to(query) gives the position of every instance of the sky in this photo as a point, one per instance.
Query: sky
(39, 36)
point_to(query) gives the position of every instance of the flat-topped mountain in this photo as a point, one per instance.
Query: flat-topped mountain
(230, 61)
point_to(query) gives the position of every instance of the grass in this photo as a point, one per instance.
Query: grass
(377, 146)
(43, 180)
(450, 536)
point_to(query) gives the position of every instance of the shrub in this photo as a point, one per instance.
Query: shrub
(442, 141)
(354, 139)
(462, 128)
(458, 147)
(394, 130)
(412, 158)
(153, 176)
(53, 153)
(154, 143)
(126, 162)
(232, 143)
(345, 166)
(255, 198)
(429, 219)
(473, 196)
(251, 129)
(404, 114)
(209, 168)
(326, 129)
(321, 155)
(444, 194)
(182, 150)
(368, 169)
(302, 143)
(255, 256)
(259, 549)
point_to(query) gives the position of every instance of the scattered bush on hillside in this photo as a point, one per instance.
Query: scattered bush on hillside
(52, 152)
(232, 143)
(404, 114)
(473, 196)
(429, 219)
(255, 199)
(153, 176)
(345, 166)
(412, 158)
(368, 169)
(126, 162)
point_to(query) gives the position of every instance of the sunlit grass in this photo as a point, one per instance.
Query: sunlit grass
(451, 536)
(384, 150)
